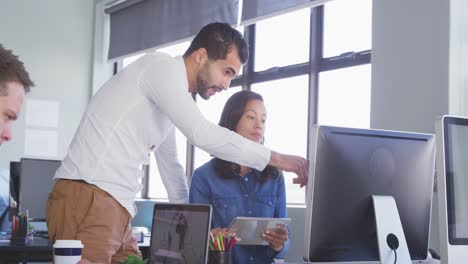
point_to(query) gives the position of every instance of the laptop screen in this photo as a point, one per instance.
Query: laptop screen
(179, 233)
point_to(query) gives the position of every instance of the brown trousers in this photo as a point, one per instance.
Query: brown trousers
(78, 210)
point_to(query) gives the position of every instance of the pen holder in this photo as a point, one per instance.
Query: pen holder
(19, 233)
(219, 257)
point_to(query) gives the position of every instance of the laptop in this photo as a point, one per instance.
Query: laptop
(179, 234)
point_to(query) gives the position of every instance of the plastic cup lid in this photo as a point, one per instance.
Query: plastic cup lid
(68, 244)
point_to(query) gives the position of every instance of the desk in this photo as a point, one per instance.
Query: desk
(40, 249)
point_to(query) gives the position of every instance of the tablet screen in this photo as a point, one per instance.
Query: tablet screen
(250, 229)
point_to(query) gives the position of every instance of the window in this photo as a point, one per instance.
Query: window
(277, 45)
(344, 97)
(344, 91)
(286, 102)
(347, 27)
(343, 86)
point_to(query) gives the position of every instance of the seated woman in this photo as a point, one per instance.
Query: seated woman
(235, 190)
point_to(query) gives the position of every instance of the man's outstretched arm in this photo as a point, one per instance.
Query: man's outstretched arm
(291, 163)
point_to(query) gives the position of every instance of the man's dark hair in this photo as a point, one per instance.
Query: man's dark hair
(218, 39)
(12, 70)
(232, 113)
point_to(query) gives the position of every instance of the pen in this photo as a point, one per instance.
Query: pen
(211, 244)
(213, 241)
(232, 242)
(221, 241)
(218, 242)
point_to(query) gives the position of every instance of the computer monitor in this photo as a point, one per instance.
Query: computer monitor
(347, 167)
(452, 177)
(35, 185)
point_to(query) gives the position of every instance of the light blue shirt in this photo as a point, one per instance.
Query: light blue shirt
(240, 196)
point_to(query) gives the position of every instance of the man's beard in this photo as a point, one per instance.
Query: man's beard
(202, 87)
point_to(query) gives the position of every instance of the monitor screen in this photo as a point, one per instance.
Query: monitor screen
(35, 181)
(350, 165)
(179, 233)
(456, 173)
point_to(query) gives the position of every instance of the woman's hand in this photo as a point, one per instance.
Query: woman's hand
(276, 237)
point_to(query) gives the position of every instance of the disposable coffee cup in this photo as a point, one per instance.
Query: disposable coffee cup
(67, 251)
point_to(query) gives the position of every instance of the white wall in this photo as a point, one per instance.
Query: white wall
(458, 67)
(419, 67)
(410, 58)
(54, 39)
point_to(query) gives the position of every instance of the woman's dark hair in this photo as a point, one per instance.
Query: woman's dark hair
(232, 113)
(218, 39)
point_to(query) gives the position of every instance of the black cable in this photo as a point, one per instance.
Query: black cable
(392, 242)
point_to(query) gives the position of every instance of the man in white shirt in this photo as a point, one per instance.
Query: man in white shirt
(136, 112)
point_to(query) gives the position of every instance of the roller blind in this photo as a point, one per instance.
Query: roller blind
(255, 10)
(137, 25)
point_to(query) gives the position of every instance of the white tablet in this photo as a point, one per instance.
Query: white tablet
(250, 229)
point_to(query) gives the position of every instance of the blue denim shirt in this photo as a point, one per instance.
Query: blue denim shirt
(240, 196)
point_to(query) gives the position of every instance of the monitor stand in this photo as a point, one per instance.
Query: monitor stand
(390, 233)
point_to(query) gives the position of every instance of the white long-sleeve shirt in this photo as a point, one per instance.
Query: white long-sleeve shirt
(134, 113)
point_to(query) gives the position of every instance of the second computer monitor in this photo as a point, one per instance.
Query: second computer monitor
(35, 185)
(452, 156)
(348, 166)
